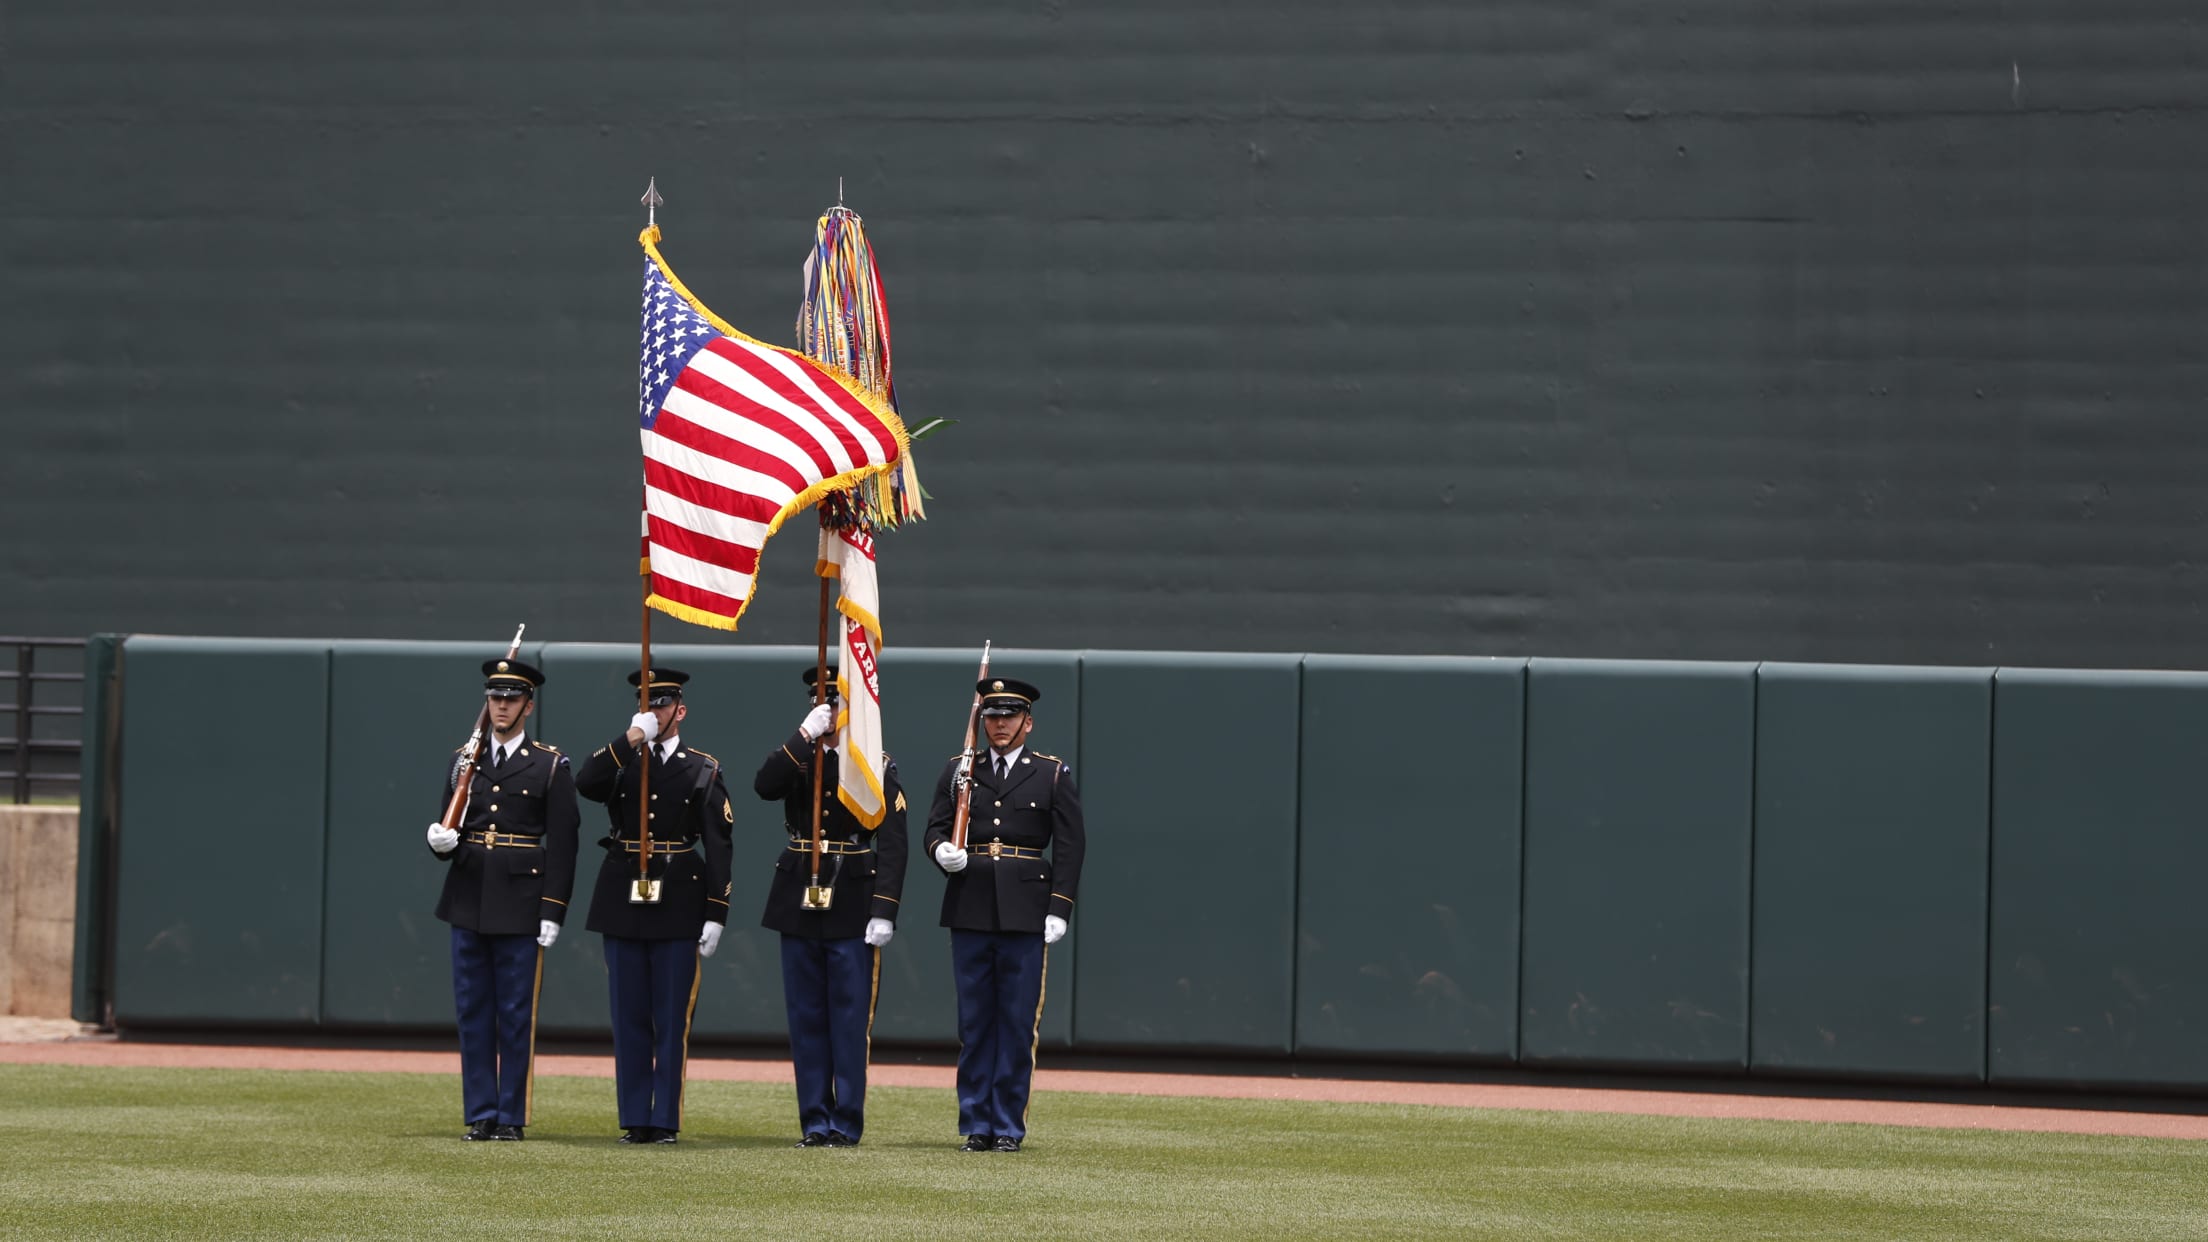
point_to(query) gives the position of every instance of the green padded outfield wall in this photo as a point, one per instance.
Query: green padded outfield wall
(1638, 803)
(269, 875)
(218, 900)
(1188, 895)
(2099, 859)
(1673, 329)
(1407, 857)
(1870, 871)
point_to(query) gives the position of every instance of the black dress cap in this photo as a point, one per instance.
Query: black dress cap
(666, 684)
(1005, 696)
(510, 679)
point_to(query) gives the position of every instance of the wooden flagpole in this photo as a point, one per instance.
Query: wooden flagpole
(816, 897)
(644, 889)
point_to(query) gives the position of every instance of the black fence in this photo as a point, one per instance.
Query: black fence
(45, 717)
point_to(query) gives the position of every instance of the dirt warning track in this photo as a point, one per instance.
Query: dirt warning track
(52, 1044)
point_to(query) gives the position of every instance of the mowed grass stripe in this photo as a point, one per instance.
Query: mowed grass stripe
(233, 1154)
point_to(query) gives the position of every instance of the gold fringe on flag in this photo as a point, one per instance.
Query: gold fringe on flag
(844, 323)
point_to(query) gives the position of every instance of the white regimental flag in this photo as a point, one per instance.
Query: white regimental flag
(849, 556)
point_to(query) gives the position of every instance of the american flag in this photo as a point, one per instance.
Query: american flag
(738, 435)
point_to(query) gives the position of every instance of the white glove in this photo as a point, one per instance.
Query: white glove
(818, 721)
(645, 723)
(442, 839)
(709, 939)
(950, 857)
(1054, 929)
(547, 932)
(878, 932)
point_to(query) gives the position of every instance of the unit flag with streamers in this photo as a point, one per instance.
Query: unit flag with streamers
(843, 323)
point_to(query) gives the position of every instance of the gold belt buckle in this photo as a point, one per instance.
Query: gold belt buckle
(490, 840)
(996, 849)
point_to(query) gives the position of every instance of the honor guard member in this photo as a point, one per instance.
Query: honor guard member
(831, 957)
(510, 869)
(655, 931)
(1010, 893)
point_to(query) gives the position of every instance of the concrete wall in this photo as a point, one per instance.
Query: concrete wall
(38, 909)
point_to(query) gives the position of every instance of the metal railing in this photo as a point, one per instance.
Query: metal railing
(42, 758)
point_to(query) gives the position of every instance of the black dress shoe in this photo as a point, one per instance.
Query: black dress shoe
(815, 1139)
(837, 1138)
(506, 1134)
(479, 1131)
(1006, 1142)
(978, 1142)
(637, 1134)
(663, 1136)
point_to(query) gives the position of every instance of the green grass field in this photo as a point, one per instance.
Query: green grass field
(228, 1154)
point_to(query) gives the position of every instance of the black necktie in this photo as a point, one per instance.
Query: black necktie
(498, 756)
(1001, 769)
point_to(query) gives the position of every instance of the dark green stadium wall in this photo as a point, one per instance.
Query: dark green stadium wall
(1637, 796)
(1965, 876)
(1869, 890)
(2097, 922)
(1670, 330)
(1407, 848)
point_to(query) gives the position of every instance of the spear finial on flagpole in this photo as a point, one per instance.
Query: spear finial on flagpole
(651, 202)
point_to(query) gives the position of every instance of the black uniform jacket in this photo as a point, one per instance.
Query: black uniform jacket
(1037, 808)
(690, 808)
(497, 885)
(866, 886)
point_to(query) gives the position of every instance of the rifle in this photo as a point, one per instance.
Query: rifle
(463, 773)
(963, 780)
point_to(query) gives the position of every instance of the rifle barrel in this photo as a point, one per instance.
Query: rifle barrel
(464, 776)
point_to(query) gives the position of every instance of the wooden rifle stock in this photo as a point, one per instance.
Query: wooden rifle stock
(463, 776)
(964, 781)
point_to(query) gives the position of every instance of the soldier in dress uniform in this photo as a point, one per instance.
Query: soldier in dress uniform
(653, 946)
(831, 959)
(510, 868)
(1010, 893)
